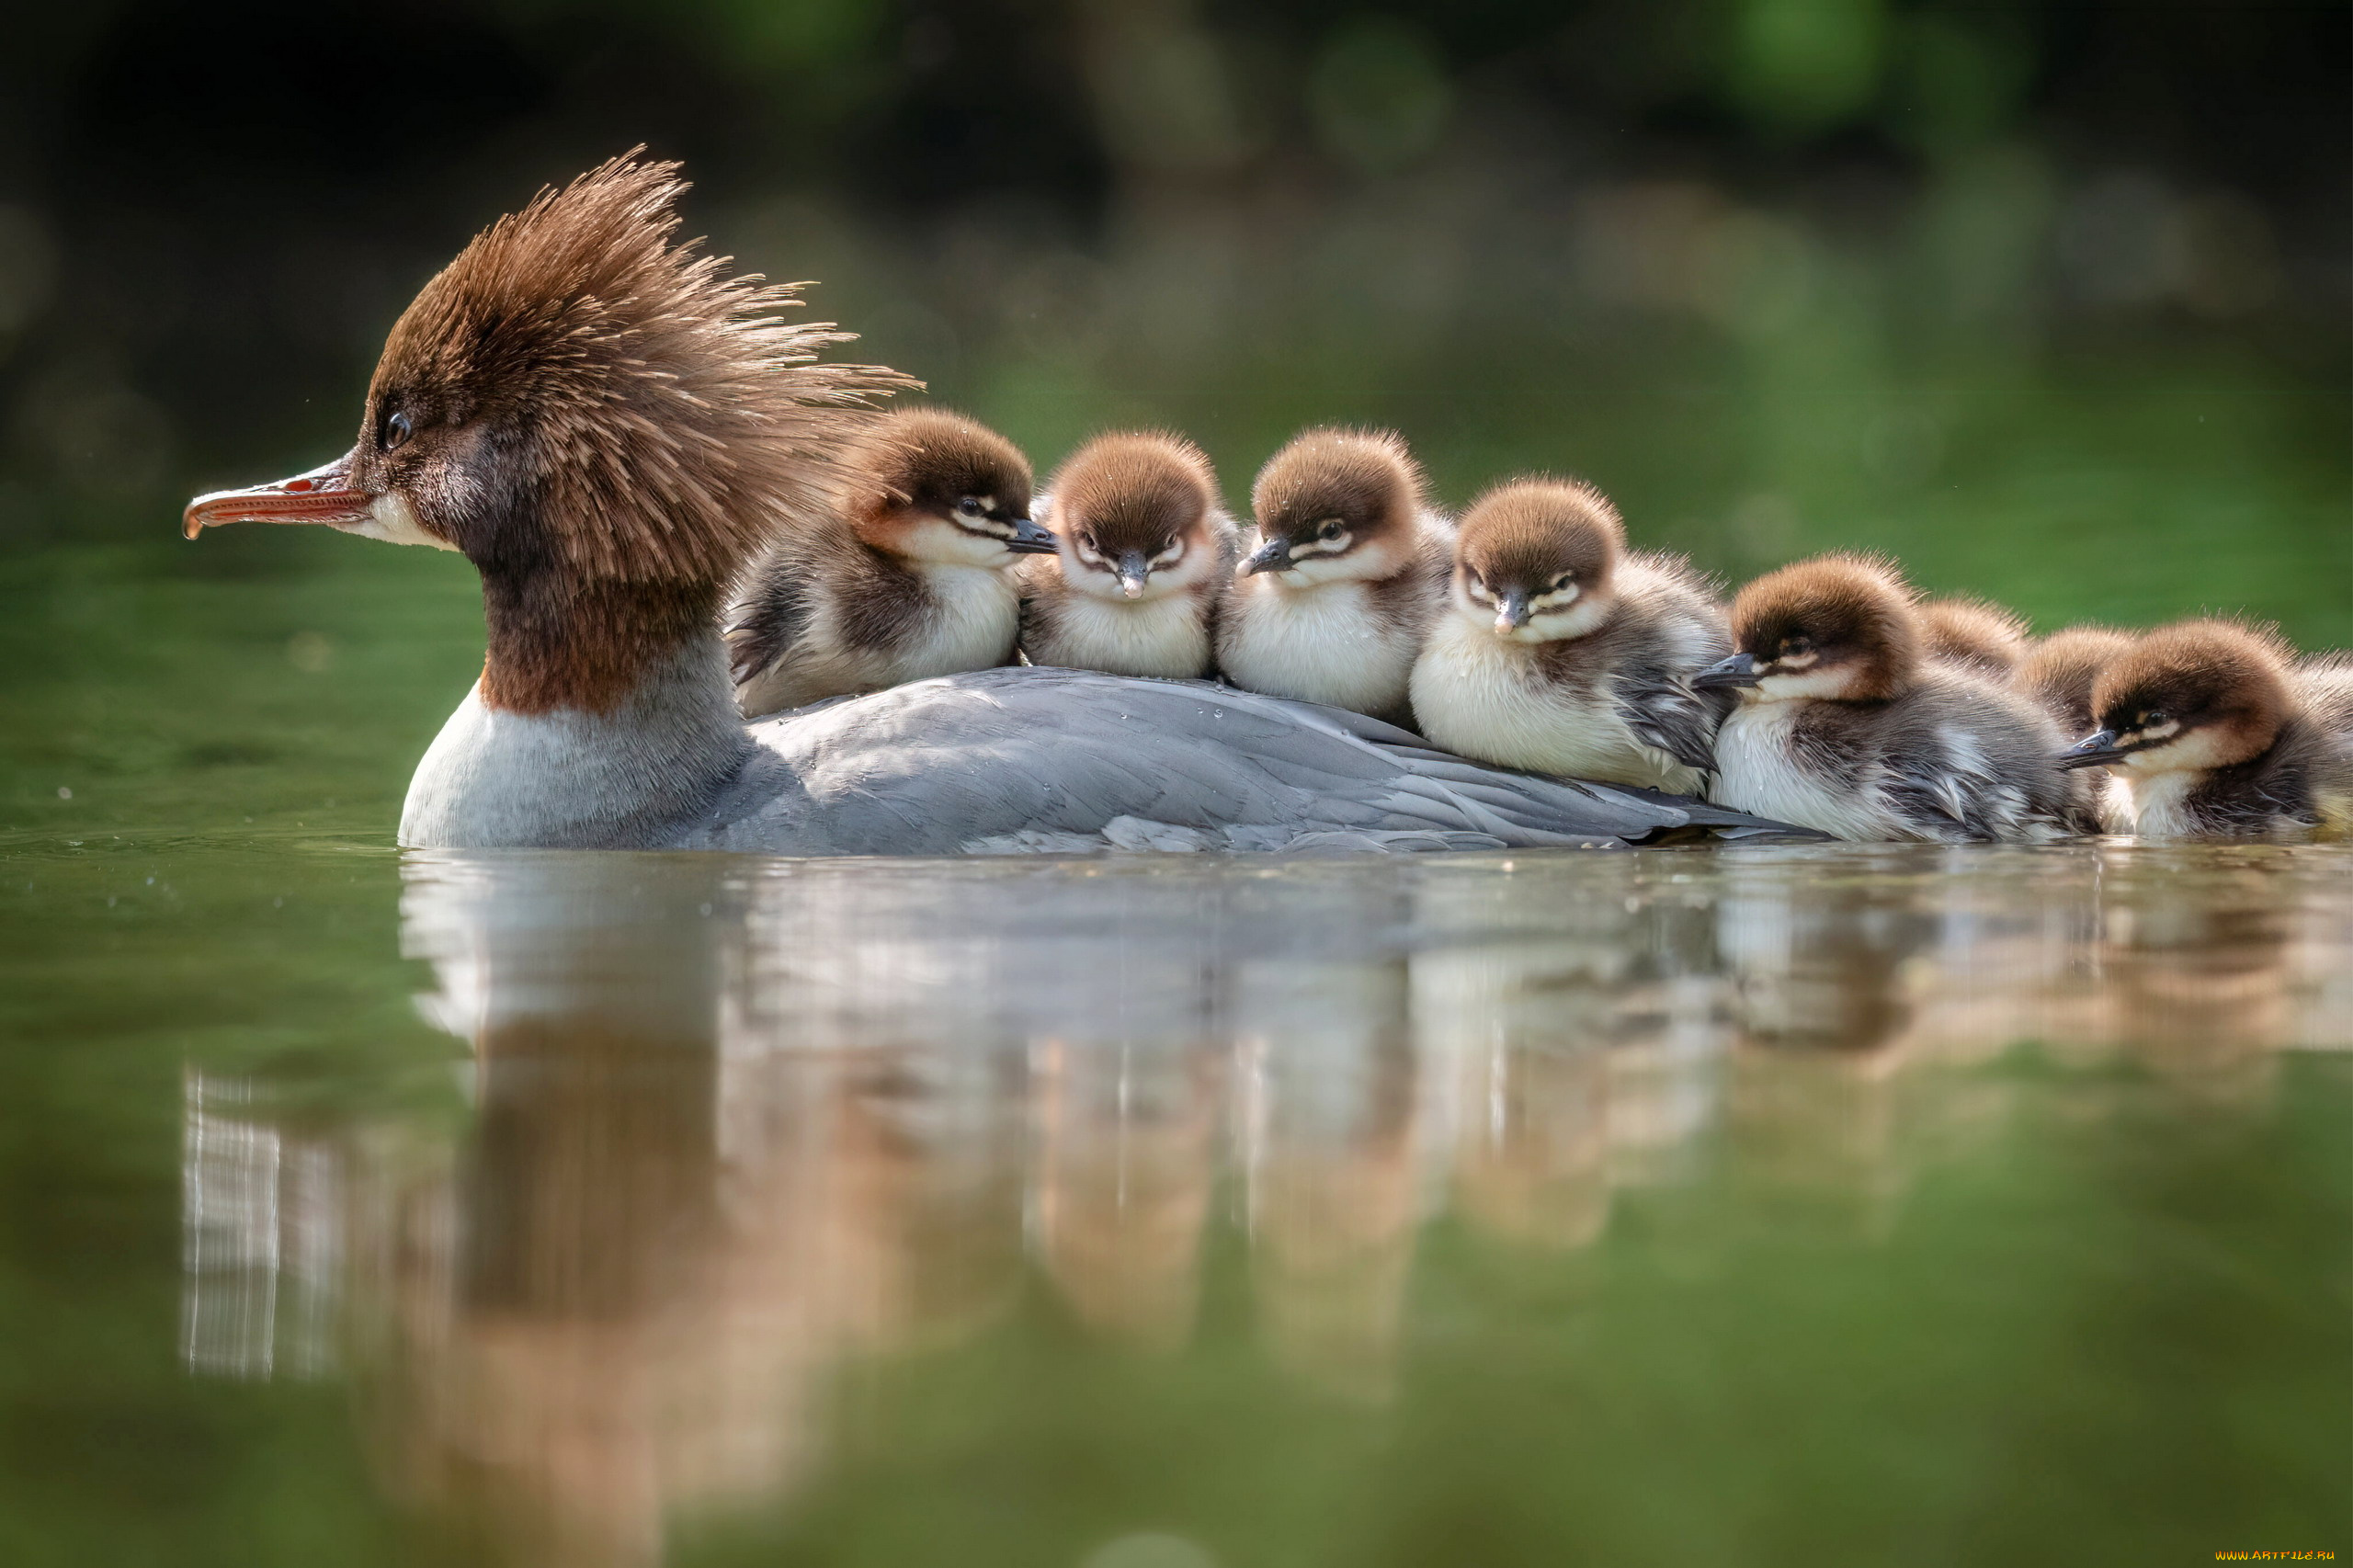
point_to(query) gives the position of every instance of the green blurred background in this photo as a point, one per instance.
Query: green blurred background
(2051, 302)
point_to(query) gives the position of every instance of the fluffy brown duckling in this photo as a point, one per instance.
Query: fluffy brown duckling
(1974, 633)
(1846, 726)
(2213, 733)
(1146, 549)
(1349, 567)
(1564, 652)
(2060, 670)
(916, 580)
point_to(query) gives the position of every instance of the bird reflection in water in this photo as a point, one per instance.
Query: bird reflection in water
(740, 1130)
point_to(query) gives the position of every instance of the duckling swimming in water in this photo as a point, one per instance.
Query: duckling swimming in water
(1845, 725)
(1563, 652)
(917, 581)
(1350, 567)
(1146, 549)
(2213, 733)
(1975, 633)
(2057, 674)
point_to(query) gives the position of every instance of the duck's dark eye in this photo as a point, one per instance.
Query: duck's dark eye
(969, 505)
(1562, 581)
(396, 432)
(1330, 531)
(2153, 717)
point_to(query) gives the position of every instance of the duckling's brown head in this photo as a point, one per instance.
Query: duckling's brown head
(1138, 517)
(1536, 559)
(1840, 628)
(1336, 505)
(938, 487)
(2186, 698)
(2060, 671)
(578, 396)
(1974, 633)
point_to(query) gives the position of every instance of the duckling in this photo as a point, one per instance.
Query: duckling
(1974, 633)
(2059, 672)
(2213, 733)
(1350, 565)
(1147, 547)
(1565, 652)
(915, 581)
(1845, 725)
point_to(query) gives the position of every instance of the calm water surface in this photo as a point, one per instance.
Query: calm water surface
(1756, 1205)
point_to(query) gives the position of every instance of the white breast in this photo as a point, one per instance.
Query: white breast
(1321, 645)
(974, 614)
(1477, 694)
(2157, 806)
(1758, 770)
(1166, 636)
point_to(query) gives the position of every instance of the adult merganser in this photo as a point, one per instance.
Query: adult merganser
(2213, 733)
(1349, 568)
(1567, 651)
(915, 580)
(1147, 551)
(1845, 725)
(609, 428)
(1977, 634)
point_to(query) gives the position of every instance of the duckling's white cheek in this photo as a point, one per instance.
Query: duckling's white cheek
(938, 540)
(2198, 750)
(1096, 580)
(390, 519)
(1567, 618)
(1807, 684)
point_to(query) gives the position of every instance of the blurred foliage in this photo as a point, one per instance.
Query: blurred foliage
(1781, 273)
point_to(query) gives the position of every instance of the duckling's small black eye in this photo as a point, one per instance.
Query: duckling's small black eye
(2154, 716)
(1330, 531)
(1797, 645)
(396, 431)
(969, 505)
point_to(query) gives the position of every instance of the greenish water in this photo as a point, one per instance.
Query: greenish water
(1772, 1206)
(1763, 1206)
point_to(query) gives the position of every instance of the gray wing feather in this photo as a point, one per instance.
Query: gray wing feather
(1037, 758)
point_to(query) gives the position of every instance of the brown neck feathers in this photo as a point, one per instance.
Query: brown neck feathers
(585, 647)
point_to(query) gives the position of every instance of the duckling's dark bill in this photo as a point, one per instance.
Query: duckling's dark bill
(1272, 556)
(1726, 675)
(1028, 539)
(321, 495)
(2094, 751)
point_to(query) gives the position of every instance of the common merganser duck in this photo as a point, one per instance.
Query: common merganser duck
(609, 429)
(1349, 567)
(1566, 652)
(1845, 726)
(2213, 733)
(1974, 633)
(1146, 549)
(915, 580)
(2060, 670)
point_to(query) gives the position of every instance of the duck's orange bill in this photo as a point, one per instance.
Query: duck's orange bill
(323, 496)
